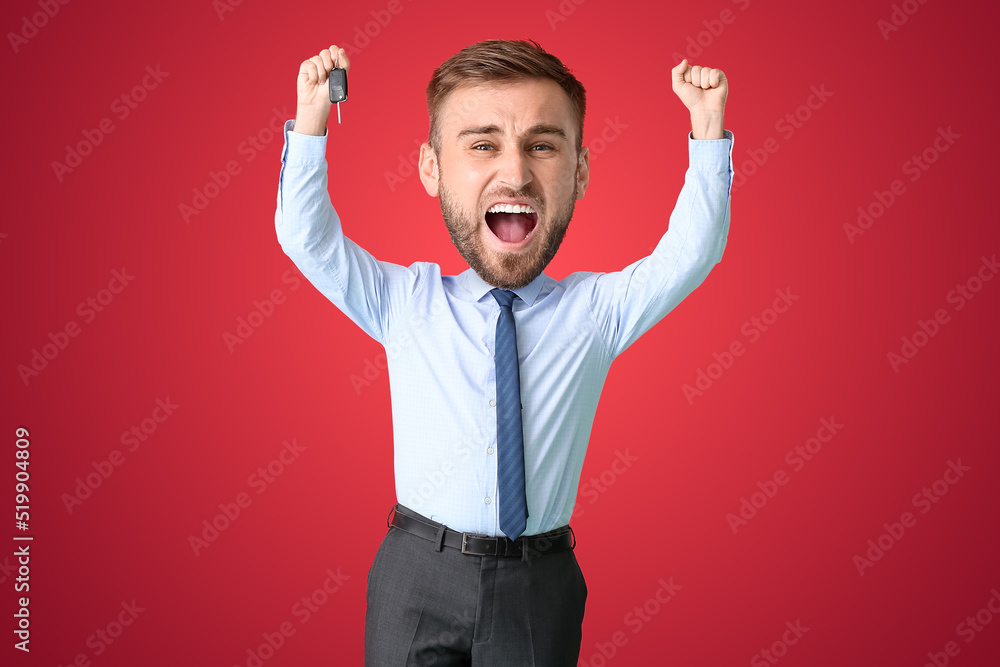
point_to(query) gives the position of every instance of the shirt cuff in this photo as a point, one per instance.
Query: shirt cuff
(711, 154)
(303, 149)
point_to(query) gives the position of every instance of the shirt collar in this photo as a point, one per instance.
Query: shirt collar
(478, 288)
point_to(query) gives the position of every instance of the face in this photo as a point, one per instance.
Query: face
(507, 176)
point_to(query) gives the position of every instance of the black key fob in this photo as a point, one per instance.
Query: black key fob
(338, 85)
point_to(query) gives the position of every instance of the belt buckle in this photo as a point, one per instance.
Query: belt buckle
(465, 548)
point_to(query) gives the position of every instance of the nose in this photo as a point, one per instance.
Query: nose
(514, 169)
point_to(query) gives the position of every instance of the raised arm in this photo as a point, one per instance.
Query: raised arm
(627, 303)
(368, 291)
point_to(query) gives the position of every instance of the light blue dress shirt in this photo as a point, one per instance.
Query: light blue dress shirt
(439, 331)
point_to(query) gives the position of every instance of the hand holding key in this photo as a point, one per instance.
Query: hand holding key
(338, 87)
(314, 90)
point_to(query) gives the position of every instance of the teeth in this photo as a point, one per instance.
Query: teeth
(510, 208)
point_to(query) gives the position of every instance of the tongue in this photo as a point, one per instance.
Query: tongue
(509, 227)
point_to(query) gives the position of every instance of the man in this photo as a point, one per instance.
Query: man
(495, 374)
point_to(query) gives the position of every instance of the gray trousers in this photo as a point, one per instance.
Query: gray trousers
(429, 607)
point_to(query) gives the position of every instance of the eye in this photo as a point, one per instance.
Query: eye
(482, 147)
(542, 147)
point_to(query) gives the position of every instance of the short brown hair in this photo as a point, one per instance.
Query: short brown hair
(501, 60)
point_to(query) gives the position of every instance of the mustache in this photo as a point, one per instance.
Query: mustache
(527, 193)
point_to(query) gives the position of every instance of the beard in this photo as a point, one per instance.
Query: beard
(507, 270)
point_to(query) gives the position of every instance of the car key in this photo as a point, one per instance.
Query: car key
(338, 87)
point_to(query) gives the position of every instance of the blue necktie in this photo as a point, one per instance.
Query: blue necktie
(510, 439)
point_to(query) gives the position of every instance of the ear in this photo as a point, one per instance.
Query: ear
(428, 167)
(582, 172)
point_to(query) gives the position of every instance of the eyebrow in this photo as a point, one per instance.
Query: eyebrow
(541, 128)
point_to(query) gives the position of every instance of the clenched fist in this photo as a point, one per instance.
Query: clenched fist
(313, 108)
(701, 89)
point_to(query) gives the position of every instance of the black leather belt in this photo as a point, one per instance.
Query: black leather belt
(553, 541)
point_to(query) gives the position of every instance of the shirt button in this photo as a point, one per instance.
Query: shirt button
(489, 450)
(487, 501)
(493, 403)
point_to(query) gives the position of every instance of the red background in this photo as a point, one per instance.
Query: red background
(665, 516)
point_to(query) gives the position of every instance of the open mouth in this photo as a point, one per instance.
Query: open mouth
(511, 223)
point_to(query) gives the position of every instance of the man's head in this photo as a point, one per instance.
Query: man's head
(505, 156)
